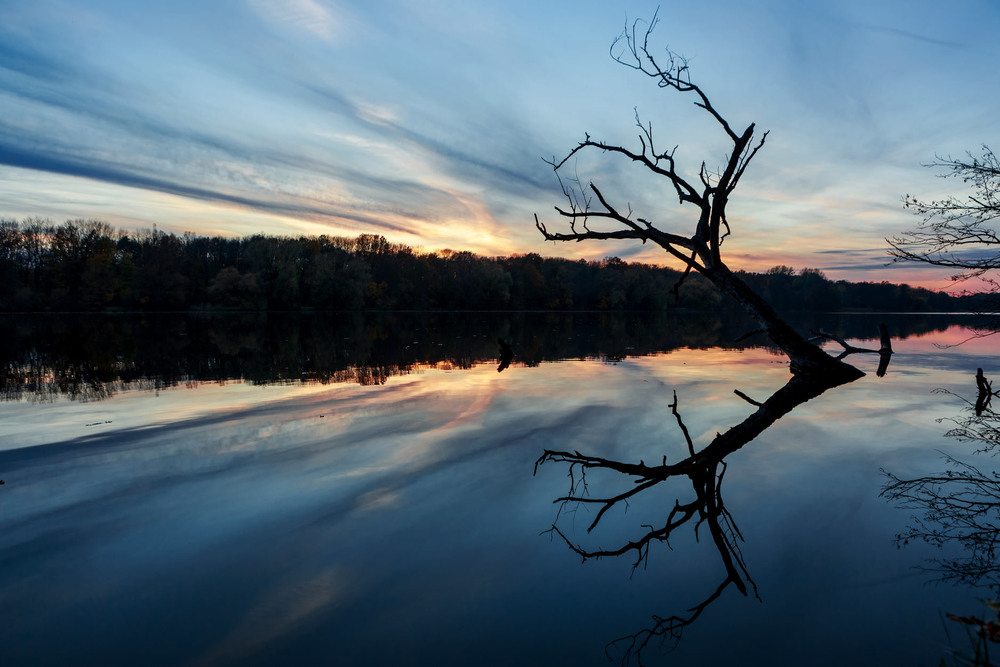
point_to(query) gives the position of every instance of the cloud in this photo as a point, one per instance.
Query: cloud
(429, 122)
(919, 38)
(92, 168)
(372, 169)
(30, 62)
(499, 137)
(303, 15)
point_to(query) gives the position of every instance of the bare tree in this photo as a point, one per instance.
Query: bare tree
(594, 215)
(958, 233)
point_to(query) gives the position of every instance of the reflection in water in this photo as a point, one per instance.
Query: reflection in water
(397, 525)
(985, 392)
(961, 504)
(957, 510)
(94, 357)
(704, 469)
(506, 355)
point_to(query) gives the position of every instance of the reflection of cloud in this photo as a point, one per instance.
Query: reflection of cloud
(381, 498)
(278, 611)
(476, 393)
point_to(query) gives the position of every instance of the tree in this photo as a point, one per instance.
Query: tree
(606, 219)
(233, 289)
(958, 233)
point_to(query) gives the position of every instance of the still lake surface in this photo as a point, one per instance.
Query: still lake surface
(348, 490)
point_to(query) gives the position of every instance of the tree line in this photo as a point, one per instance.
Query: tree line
(88, 265)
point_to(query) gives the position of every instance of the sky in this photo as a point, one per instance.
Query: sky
(427, 122)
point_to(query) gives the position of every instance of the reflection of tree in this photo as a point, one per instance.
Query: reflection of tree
(506, 355)
(960, 505)
(985, 394)
(89, 357)
(705, 469)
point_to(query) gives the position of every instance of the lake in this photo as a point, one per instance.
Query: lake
(352, 489)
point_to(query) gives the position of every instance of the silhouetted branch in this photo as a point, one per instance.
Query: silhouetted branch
(749, 334)
(848, 348)
(746, 398)
(884, 351)
(957, 233)
(676, 289)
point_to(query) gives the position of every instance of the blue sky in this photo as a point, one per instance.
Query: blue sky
(428, 121)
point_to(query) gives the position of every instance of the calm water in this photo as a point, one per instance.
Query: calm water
(365, 494)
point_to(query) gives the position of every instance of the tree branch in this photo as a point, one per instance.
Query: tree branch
(957, 233)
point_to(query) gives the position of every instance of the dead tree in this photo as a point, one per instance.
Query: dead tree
(984, 391)
(884, 351)
(595, 215)
(592, 214)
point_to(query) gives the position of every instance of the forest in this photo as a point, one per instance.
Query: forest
(88, 265)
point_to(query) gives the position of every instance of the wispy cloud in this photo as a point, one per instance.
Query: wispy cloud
(311, 16)
(906, 34)
(427, 122)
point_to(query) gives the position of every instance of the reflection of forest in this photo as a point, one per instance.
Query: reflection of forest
(92, 356)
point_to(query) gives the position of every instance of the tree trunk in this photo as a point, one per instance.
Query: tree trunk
(805, 356)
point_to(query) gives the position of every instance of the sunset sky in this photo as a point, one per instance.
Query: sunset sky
(427, 121)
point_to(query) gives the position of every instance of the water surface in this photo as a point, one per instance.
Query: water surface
(253, 518)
